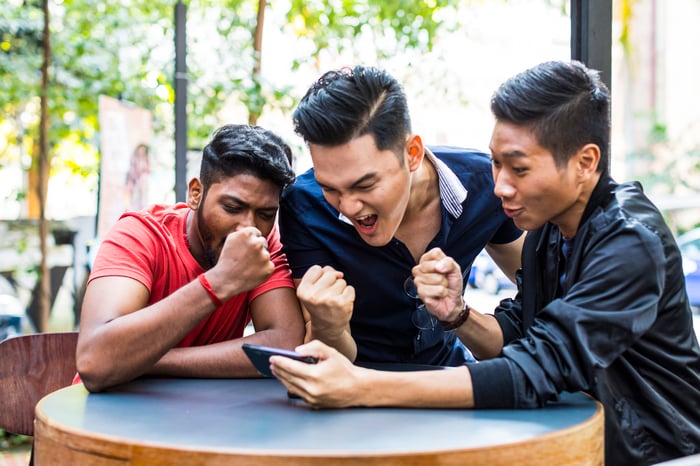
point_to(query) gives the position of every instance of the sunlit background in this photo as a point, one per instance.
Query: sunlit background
(448, 76)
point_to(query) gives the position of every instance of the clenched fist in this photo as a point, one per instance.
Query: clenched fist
(328, 298)
(243, 264)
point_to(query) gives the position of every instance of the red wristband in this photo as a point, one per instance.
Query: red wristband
(207, 286)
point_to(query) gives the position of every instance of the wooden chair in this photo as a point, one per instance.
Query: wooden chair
(32, 366)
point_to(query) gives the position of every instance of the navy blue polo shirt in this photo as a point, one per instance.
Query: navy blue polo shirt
(313, 232)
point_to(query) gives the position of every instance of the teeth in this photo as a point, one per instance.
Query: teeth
(362, 219)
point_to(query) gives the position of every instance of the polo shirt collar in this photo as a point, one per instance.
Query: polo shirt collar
(452, 192)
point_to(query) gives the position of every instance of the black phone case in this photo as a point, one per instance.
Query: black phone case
(260, 357)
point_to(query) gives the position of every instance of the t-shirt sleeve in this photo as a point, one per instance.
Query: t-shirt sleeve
(125, 252)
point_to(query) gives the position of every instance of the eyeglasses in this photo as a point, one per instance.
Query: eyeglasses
(421, 318)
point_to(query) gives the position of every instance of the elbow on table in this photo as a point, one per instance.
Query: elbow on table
(93, 375)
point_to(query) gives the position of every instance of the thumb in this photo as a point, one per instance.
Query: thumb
(315, 348)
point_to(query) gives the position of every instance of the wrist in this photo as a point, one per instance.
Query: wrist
(330, 334)
(210, 291)
(458, 321)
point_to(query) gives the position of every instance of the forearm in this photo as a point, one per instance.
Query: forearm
(222, 360)
(482, 335)
(446, 388)
(127, 346)
(218, 360)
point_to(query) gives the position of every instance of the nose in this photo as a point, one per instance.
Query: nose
(349, 204)
(502, 188)
(246, 219)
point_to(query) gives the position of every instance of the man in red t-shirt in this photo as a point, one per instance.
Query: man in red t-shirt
(173, 287)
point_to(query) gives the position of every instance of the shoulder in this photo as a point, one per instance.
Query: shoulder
(459, 158)
(630, 208)
(472, 167)
(304, 187)
(632, 222)
(157, 214)
(305, 198)
(153, 224)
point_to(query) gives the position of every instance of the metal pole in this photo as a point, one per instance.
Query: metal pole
(180, 102)
(591, 35)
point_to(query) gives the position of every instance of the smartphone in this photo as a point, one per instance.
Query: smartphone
(260, 357)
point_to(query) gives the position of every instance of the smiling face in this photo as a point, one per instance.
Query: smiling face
(532, 188)
(370, 187)
(233, 203)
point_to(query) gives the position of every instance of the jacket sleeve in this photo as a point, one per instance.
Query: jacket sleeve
(613, 292)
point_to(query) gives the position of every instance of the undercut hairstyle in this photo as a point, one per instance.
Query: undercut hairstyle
(349, 103)
(245, 149)
(565, 105)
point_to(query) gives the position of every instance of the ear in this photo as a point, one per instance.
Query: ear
(415, 151)
(587, 160)
(194, 193)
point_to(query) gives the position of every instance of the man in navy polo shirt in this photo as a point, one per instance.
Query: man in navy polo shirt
(376, 200)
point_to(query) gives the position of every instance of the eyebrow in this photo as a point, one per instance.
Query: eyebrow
(242, 203)
(357, 182)
(513, 154)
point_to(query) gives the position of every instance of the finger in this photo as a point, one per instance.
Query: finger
(434, 254)
(287, 379)
(349, 293)
(312, 274)
(315, 348)
(436, 291)
(429, 278)
(446, 265)
(330, 278)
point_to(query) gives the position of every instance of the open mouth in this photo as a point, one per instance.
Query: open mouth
(367, 223)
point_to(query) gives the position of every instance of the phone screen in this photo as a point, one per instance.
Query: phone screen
(260, 357)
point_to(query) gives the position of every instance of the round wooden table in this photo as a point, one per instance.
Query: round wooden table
(253, 422)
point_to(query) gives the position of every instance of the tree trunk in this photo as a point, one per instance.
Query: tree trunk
(257, 50)
(44, 277)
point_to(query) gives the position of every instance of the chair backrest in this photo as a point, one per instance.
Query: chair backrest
(32, 366)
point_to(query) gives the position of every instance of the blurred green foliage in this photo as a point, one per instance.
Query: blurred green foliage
(125, 49)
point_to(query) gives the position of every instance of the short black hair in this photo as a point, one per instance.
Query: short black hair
(246, 149)
(350, 102)
(565, 104)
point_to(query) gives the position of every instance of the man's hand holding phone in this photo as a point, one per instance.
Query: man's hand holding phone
(260, 357)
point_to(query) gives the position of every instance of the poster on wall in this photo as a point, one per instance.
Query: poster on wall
(125, 163)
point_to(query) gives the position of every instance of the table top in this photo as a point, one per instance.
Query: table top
(255, 416)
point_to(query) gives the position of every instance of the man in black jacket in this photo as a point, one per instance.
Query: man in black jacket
(601, 307)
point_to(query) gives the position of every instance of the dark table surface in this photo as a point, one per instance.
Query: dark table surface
(256, 414)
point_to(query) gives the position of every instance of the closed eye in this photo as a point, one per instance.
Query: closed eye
(267, 216)
(232, 209)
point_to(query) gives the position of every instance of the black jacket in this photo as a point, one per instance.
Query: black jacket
(620, 328)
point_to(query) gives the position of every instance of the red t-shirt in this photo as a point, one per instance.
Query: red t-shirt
(150, 246)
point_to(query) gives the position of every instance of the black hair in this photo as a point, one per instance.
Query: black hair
(565, 104)
(245, 149)
(350, 102)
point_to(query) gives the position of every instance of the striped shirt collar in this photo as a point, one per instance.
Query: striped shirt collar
(452, 192)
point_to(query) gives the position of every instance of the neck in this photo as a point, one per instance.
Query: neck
(421, 221)
(569, 225)
(425, 189)
(194, 242)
